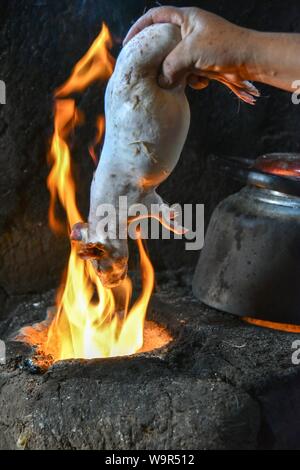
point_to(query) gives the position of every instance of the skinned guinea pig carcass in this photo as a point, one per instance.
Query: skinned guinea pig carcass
(146, 128)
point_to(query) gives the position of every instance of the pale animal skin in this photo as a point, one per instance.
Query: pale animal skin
(146, 128)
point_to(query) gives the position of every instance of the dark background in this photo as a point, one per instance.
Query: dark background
(41, 40)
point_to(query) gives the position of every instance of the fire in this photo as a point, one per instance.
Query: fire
(100, 125)
(96, 64)
(87, 328)
(273, 325)
(60, 181)
(90, 321)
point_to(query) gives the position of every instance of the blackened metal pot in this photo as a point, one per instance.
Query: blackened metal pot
(250, 263)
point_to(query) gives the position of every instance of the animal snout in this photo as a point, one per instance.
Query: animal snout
(110, 265)
(111, 272)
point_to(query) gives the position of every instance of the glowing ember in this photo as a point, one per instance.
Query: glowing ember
(281, 165)
(155, 337)
(273, 325)
(60, 181)
(100, 132)
(90, 321)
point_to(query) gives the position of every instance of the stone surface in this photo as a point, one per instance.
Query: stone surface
(221, 384)
(41, 40)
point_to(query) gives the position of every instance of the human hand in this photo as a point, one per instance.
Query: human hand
(212, 48)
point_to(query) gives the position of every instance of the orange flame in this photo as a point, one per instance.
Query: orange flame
(90, 321)
(287, 327)
(60, 180)
(87, 328)
(100, 125)
(96, 64)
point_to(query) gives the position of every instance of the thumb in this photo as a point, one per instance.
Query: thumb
(176, 66)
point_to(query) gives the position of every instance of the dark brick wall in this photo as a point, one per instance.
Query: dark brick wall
(40, 42)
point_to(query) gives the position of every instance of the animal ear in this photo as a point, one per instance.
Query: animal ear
(91, 251)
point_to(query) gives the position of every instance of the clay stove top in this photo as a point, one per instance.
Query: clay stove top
(221, 384)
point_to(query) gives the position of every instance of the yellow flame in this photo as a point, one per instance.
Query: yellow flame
(84, 328)
(60, 180)
(90, 321)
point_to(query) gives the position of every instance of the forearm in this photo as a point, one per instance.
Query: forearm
(274, 59)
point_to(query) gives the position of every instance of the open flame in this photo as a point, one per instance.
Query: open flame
(88, 328)
(60, 180)
(287, 327)
(90, 321)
